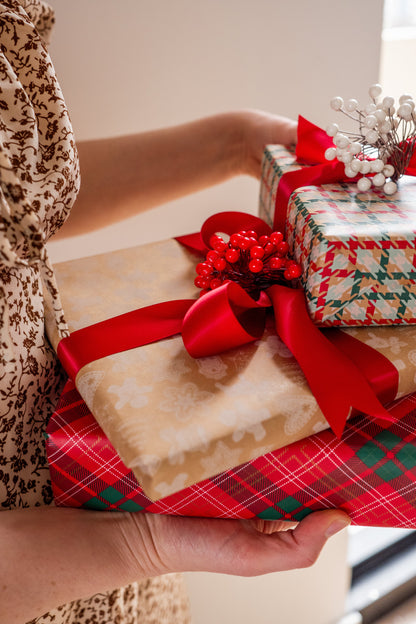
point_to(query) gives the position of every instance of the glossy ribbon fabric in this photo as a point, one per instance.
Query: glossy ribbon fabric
(342, 376)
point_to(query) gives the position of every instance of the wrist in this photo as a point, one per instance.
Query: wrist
(239, 129)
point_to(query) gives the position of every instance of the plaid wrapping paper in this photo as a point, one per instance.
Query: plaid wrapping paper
(370, 473)
(357, 250)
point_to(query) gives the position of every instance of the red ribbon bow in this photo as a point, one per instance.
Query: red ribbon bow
(228, 317)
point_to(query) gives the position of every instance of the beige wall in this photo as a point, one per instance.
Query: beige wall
(130, 65)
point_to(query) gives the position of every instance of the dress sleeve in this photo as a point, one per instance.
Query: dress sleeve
(39, 172)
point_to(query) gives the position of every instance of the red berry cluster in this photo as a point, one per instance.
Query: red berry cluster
(254, 262)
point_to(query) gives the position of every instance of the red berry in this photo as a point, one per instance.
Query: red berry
(276, 237)
(252, 234)
(215, 283)
(212, 256)
(269, 248)
(242, 233)
(204, 268)
(232, 254)
(294, 271)
(245, 243)
(214, 239)
(256, 251)
(255, 265)
(235, 240)
(276, 263)
(263, 240)
(220, 264)
(201, 282)
(220, 245)
(282, 248)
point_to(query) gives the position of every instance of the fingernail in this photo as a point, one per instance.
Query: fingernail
(337, 526)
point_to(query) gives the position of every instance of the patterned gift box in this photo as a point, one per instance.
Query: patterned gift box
(370, 473)
(176, 420)
(357, 250)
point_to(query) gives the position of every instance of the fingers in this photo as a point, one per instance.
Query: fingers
(272, 526)
(288, 131)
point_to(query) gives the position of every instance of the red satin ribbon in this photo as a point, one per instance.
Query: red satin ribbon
(228, 317)
(310, 150)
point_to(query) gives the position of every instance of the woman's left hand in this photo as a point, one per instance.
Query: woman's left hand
(258, 130)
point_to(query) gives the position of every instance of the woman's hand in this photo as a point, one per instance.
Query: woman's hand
(260, 129)
(51, 556)
(243, 548)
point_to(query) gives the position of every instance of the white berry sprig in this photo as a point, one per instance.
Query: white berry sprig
(382, 148)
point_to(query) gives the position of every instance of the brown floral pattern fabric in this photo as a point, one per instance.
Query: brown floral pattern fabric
(39, 181)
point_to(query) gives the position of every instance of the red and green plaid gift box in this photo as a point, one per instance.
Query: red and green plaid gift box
(357, 250)
(370, 473)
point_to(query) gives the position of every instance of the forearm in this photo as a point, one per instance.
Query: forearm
(125, 175)
(52, 556)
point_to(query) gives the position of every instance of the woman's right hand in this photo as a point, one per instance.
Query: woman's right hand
(238, 547)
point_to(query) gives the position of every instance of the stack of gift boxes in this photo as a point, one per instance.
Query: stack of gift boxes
(239, 434)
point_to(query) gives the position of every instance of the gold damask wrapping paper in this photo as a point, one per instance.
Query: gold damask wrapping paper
(175, 420)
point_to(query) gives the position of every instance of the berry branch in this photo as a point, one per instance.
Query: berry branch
(254, 262)
(383, 146)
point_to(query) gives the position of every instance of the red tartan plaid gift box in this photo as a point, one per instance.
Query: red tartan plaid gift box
(357, 250)
(370, 473)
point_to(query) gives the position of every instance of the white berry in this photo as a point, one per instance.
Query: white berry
(330, 153)
(390, 188)
(351, 105)
(363, 185)
(341, 141)
(371, 136)
(388, 171)
(336, 103)
(379, 179)
(345, 157)
(370, 108)
(332, 129)
(365, 167)
(405, 111)
(385, 127)
(356, 165)
(388, 103)
(370, 121)
(349, 172)
(404, 98)
(355, 147)
(377, 165)
(380, 115)
(375, 90)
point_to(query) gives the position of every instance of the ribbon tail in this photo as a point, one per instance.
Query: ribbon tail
(336, 382)
(122, 333)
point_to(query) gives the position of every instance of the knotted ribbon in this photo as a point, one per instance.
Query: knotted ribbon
(343, 373)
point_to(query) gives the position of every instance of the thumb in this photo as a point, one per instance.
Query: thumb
(312, 532)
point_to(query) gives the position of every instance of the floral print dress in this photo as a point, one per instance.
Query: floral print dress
(39, 181)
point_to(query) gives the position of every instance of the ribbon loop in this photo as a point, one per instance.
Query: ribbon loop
(222, 319)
